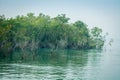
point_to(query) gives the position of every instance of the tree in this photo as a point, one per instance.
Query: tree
(62, 18)
(97, 40)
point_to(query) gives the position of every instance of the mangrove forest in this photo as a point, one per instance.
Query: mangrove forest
(30, 32)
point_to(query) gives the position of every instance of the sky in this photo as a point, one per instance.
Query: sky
(101, 13)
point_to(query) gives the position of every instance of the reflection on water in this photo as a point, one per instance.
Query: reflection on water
(65, 65)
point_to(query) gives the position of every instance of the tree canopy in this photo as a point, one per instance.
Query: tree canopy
(30, 32)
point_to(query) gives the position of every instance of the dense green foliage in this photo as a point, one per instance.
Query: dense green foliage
(32, 32)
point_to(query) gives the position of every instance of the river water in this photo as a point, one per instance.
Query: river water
(67, 65)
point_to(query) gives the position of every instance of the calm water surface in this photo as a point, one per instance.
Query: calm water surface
(66, 65)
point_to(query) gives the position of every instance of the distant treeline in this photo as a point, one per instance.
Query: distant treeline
(30, 32)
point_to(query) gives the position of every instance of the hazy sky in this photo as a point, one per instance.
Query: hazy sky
(101, 13)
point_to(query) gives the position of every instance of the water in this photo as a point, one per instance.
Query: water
(66, 65)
